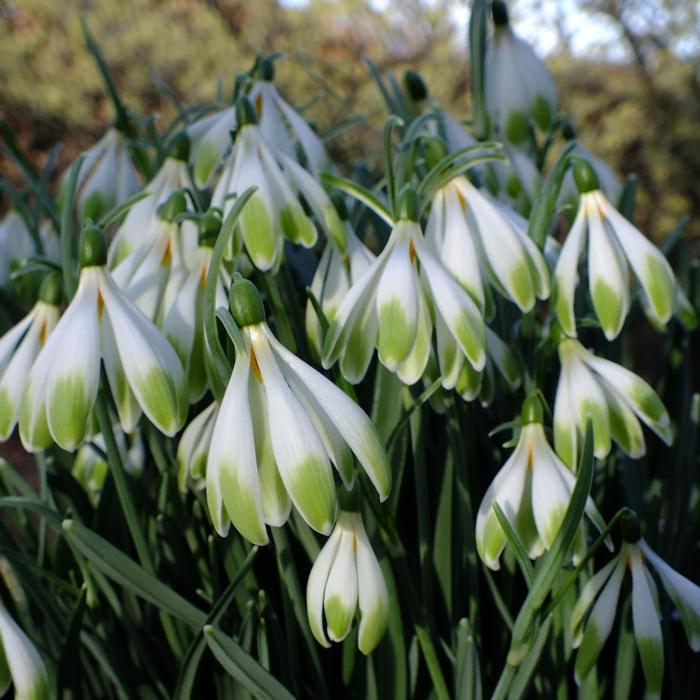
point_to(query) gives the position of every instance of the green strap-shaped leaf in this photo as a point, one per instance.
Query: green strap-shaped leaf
(517, 545)
(467, 667)
(243, 667)
(105, 557)
(477, 60)
(362, 194)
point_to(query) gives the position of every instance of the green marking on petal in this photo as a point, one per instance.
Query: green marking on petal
(659, 288)
(240, 505)
(652, 654)
(564, 445)
(206, 161)
(8, 411)
(335, 227)
(69, 410)
(588, 652)
(542, 113)
(471, 337)
(161, 400)
(372, 629)
(313, 494)
(551, 527)
(516, 128)
(649, 403)
(396, 334)
(608, 308)
(338, 617)
(296, 226)
(564, 309)
(521, 284)
(490, 544)
(34, 432)
(258, 232)
(626, 434)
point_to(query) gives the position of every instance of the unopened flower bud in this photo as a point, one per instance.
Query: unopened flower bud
(245, 112)
(179, 147)
(51, 289)
(245, 303)
(585, 177)
(532, 410)
(408, 204)
(92, 249)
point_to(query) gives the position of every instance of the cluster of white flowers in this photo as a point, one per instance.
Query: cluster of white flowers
(457, 254)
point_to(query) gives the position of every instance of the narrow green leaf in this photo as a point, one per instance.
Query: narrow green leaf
(70, 278)
(467, 667)
(477, 61)
(517, 544)
(116, 213)
(362, 194)
(523, 676)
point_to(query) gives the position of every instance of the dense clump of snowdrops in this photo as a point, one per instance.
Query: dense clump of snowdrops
(232, 480)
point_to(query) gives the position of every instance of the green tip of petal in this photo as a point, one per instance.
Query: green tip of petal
(608, 308)
(517, 127)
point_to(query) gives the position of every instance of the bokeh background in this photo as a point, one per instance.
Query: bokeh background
(628, 72)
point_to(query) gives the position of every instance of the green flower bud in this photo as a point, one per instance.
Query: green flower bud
(434, 150)
(172, 206)
(179, 146)
(499, 11)
(245, 112)
(266, 69)
(532, 410)
(209, 227)
(94, 206)
(246, 303)
(568, 130)
(92, 248)
(630, 527)
(408, 204)
(584, 176)
(415, 86)
(51, 289)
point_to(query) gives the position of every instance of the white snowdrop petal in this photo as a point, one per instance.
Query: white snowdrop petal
(340, 596)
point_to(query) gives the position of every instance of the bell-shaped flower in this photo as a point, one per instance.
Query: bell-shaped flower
(477, 239)
(614, 245)
(280, 426)
(16, 244)
(193, 449)
(90, 466)
(612, 397)
(533, 488)
(594, 613)
(181, 312)
(107, 177)
(345, 579)
(273, 212)
(210, 139)
(27, 669)
(141, 222)
(100, 325)
(19, 348)
(519, 89)
(394, 306)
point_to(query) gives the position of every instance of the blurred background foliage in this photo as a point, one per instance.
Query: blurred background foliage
(628, 72)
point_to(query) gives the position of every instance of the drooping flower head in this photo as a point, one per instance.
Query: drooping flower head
(518, 87)
(614, 398)
(193, 449)
(345, 579)
(100, 325)
(600, 597)
(15, 243)
(533, 488)
(614, 246)
(280, 426)
(20, 346)
(273, 213)
(107, 177)
(396, 303)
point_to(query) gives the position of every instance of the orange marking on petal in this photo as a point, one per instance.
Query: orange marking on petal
(167, 255)
(258, 106)
(411, 251)
(100, 304)
(462, 201)
(42, 333)
(255, 366)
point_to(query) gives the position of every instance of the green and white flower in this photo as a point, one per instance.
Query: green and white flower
(16, 244)
(280, 426)
(141, 222)
(612, 397)
(614, 245)
(273, 213)
(100, 324)
(518, 87)
(19, 348)
(478, 239)
(533, 488)
(594, 613)
(284, 130)
(107, 177)
(346, 579)
(21, 663)
(514, 182)
(193, 449)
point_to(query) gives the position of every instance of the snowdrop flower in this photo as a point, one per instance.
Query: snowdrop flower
(15, 243)
(613, 244)
(181, 312)
(273, 212)
(90, 467)
(390, 307)
(519, 89)
(193, 449)
(612, 397)
(478, 240)
(533, 488)
(515, 181)
(284, 130)
(141, 222)
(107, 177)
(346, 575)
(26, 667)
(600, 596)
(280, 425)
(20, 346)
(100, 324)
